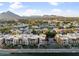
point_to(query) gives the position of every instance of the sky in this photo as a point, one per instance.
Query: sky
(41, 8)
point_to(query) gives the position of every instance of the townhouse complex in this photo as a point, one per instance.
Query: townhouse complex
(39, 34)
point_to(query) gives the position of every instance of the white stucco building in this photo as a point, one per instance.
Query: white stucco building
(23, 39)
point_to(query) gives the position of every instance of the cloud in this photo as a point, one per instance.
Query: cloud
(54, 3)
(56, 11)
(1, 4)
(59, 12)
(66, 13)
(30, 12)
(16, 5)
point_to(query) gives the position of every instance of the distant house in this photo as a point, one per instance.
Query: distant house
(8, 39)
(24, 28)
(62, 39)
(67, 39)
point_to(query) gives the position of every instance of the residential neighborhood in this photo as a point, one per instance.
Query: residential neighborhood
(39, 34)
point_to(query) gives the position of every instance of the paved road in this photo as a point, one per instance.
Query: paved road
(39, 50)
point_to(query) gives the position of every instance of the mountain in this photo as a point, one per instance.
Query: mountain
(10, 16)
(6, 16)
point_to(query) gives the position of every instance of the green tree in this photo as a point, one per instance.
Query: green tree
(34, 31)
(50, 34)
